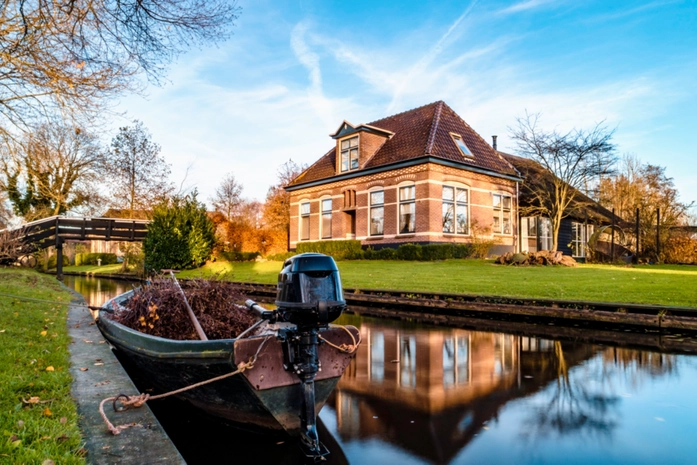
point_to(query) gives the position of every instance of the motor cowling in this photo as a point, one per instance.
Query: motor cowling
(309, 290)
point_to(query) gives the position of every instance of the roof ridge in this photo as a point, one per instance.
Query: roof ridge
(407, 111)
(434, 128)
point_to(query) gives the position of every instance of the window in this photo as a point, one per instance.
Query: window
(502, 214)
(455, 218)
(305, 221)
(545, 234)
(579, 239)
(377, 213)
(456, 352)
(407, 362)
(377, 357)
(326, 218)
(461, 145)
(349, 154)
(407, 209)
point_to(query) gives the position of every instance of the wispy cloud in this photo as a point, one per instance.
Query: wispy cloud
(311, 61)
(426, 60)
(632, 11)
(525, 6)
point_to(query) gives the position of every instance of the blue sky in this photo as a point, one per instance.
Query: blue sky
(294, 70)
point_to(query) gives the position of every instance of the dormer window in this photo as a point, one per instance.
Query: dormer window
(461, 145)
(349, 154)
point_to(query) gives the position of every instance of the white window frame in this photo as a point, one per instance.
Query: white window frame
(406, 201)
(376, 206)
(454, 204)
(346, 154)
(304, 216)
(323, 214)
(501, 213)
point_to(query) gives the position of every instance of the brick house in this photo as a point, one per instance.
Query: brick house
(423, 176)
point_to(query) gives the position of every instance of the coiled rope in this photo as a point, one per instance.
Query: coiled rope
(346, 348)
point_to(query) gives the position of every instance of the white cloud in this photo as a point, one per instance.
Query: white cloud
(525, 6)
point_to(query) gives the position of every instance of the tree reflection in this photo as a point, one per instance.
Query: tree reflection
(572, 407)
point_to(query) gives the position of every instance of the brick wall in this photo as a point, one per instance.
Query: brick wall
(429, 179)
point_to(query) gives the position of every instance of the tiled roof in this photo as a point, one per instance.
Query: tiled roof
(421, 132)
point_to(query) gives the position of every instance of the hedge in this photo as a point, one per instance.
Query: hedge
(340, 250)
(239, 256)
(91, 258)
(351, 250)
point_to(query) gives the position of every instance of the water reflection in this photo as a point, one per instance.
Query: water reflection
(433, 393)
(96, 291)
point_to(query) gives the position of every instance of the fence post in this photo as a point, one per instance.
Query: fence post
(658, 235)
(612, 235)
(636, 231)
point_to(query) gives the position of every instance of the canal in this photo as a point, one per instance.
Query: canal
(417, 394)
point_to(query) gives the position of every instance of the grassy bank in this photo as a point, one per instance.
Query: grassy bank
(38, 418)
(650, 284)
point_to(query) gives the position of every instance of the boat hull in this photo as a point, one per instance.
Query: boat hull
(264, 398)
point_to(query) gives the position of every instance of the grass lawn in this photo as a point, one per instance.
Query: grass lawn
(649, 284)
(38, 418)
(104, 269)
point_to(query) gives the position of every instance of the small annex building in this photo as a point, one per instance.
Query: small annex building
(423, 176)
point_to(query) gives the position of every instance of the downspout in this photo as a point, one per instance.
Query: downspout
(517, 214)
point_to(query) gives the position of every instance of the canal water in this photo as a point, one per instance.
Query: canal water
(417, 394)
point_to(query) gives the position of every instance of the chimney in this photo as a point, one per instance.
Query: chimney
(493, 138)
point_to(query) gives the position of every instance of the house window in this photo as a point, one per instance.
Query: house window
(456, 361)
(326, 218)
(455, 202)
(545, 230)
(461, 145)
(305, 221)
(349, 154)
(407, 362)
(579, 239)
(502, 214)
(377, 213)
(407, 209)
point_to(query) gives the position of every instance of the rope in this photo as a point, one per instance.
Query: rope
(141, 399)
(349, 349)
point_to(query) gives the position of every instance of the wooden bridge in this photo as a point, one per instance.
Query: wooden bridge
(56, 230)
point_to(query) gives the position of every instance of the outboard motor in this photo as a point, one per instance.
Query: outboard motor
(310, 297)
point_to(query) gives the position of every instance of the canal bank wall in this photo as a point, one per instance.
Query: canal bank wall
(97, 375)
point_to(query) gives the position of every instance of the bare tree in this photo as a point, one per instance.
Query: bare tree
(69, 57)
(570, 161)
(138, 175)
(53, 170)
(228, 197)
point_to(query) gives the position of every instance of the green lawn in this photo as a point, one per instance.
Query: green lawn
(651, 284)
(38, 418)
(104, 269)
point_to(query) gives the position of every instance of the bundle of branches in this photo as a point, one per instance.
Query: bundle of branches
(159, 310)
(543, 257)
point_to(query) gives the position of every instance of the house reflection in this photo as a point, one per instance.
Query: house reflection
(430, 391)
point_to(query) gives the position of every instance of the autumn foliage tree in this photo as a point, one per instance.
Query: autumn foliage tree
(276, 214)
(646, 187)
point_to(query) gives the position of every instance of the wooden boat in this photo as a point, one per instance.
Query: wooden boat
(272, 396)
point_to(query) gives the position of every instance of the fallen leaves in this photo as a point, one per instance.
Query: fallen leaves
(43, 333)
(50, 368)
(84, 368)
(47, 412)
